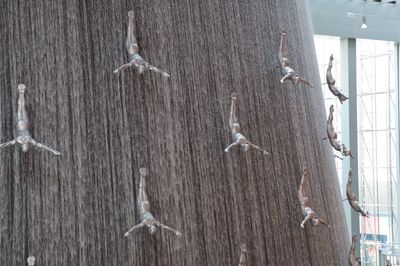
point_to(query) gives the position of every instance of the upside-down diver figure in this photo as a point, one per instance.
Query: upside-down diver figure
(287, 71)
(133, 51)
(332, 135)
(235, 128)
(24, 138)
(351, 197)
(331, 82)
(308, 213)
(146, 217)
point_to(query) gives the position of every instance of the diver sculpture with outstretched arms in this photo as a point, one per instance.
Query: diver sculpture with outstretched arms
(235, 128)
(287, 71)
(332, 135)
(351, 197)
(146, 217)
(331, 82)
(308, 213)
(24, 138)
(133, 51)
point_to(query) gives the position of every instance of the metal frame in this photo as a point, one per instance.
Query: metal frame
(353, 131)
(371, 187)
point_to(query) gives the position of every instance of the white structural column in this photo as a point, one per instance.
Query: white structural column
(397, 53)
(349, 127)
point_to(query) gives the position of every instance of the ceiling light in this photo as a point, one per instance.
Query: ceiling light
(364, 23)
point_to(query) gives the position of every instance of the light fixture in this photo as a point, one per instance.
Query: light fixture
(364, 23)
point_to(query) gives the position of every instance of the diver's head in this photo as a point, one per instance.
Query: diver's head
(25, 147)
(245, 146)
(152, 229)
(315, 221)
(141, 69)
(346, 151)
(143, 171)
(331, 109)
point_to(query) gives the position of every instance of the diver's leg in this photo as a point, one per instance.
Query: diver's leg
(232, 115)
(243, 251)
(22, 114)
(282, 42)
(330, 64)
(142, 197)
(131, 42)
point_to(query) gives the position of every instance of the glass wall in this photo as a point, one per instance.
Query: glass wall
(376, 88)
(376, 92)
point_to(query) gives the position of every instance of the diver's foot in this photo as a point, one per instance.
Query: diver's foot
(143, 171)
(21, 88)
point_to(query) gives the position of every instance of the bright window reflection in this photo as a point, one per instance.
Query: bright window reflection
(376, 88)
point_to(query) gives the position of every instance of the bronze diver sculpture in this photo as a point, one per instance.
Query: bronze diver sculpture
(24, 138)
(308, 213)
(146, 217)
(235, 128)
(331, 82)
(133, 51)
(332, 136)
(287, 71)
(351, 197)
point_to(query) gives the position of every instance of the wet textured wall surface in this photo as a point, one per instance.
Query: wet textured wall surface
(74, 209)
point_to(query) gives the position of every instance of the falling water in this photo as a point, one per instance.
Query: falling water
(74, 209)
